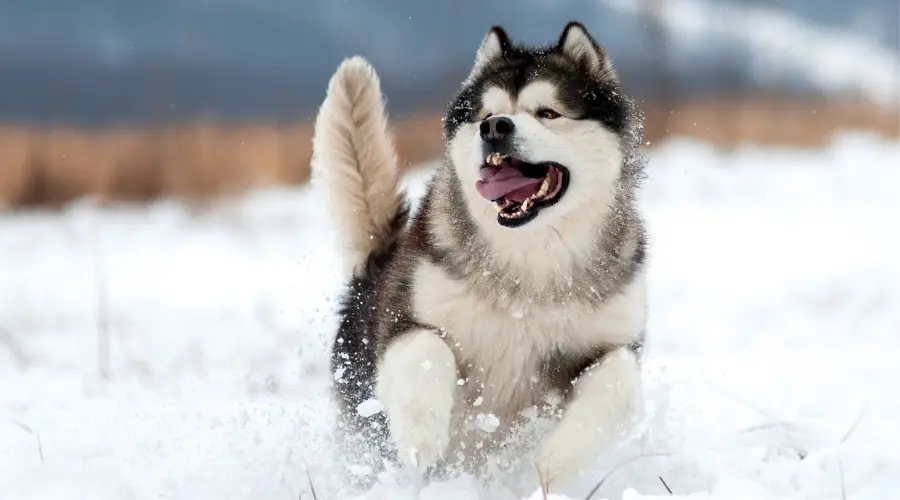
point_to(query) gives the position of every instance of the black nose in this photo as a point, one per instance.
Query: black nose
(496, 129)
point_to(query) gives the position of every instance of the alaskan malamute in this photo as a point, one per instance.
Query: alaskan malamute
(520, 279)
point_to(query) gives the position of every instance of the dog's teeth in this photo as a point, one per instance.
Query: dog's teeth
(495, 159)
(545, 187)
(499, 208)
(526, 205)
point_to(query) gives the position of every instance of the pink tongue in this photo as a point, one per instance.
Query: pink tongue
(508, 182)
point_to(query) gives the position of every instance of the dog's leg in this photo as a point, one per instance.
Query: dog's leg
(416, 384)
(599, 411)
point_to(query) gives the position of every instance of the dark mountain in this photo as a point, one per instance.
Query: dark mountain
(102, 61)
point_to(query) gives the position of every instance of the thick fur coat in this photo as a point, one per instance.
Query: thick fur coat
(452, 316)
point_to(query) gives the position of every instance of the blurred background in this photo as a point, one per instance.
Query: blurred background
(134, 99)
(168, 277)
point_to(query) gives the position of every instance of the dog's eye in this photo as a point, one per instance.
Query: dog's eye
(548, 114)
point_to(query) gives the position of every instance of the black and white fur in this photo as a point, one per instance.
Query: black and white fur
(449, 314)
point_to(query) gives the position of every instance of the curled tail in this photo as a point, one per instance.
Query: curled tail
(354, 158)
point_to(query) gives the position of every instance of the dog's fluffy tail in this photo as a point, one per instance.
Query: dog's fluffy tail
(355, 161)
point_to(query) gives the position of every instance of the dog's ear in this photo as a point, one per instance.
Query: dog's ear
(495, 43)
(578, 45)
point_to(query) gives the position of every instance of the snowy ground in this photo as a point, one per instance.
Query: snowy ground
(775, 299)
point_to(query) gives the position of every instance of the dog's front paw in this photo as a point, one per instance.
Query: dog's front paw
(416, 384)
(421, 434)
(549, 463)
(560, 456)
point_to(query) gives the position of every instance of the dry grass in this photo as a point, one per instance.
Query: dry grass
(195, 161)
(666, 485)
(49, 167)
(778, 122)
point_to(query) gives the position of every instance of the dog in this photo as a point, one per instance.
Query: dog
(519, 280)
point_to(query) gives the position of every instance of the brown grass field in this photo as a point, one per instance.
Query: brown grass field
(54, 165)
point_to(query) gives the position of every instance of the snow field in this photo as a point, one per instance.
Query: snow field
(770, 369)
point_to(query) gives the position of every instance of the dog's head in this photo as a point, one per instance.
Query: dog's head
(538, 132)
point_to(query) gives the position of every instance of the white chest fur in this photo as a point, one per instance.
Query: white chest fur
(500, 350)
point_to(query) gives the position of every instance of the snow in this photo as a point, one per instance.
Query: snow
(370, 407)
(487, 422)
(834, 59)
(773, 339)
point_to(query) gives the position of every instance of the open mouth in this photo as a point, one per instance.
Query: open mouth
(520, 189)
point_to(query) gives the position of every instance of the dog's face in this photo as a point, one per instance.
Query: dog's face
(535, 133)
